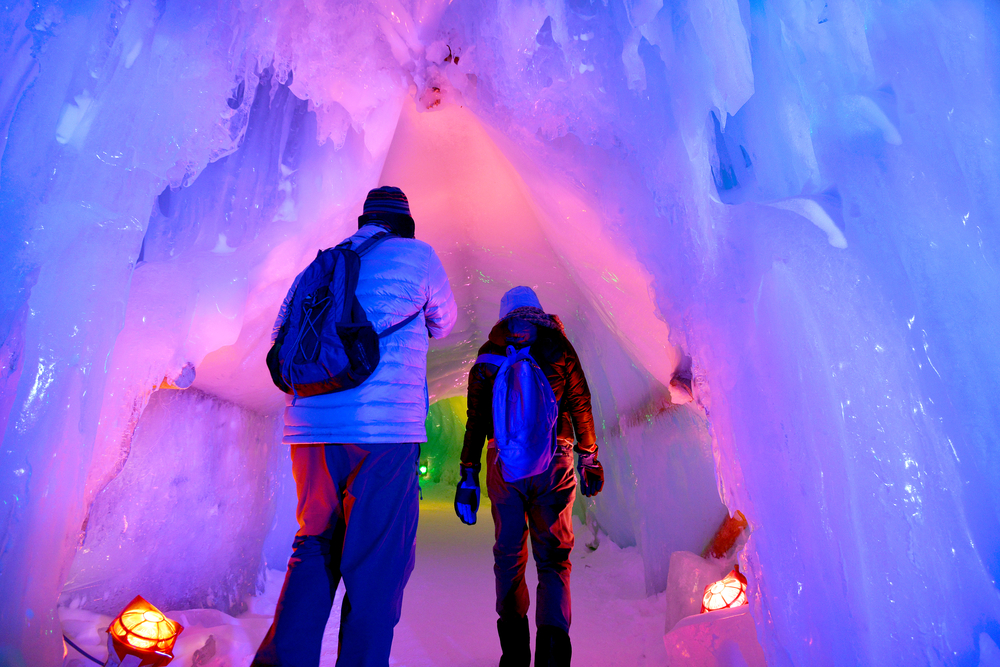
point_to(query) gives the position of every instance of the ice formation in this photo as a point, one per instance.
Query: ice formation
(783, 209)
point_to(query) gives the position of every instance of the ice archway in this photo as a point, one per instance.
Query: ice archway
(799, 196)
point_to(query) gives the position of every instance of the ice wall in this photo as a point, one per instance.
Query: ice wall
(185, 520)
(109, 111)
(800, 195)
(83, 133)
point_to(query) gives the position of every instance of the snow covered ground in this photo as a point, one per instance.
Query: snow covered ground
(448, 617)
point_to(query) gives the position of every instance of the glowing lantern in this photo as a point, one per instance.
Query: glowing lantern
(730, 592)
(141, 635)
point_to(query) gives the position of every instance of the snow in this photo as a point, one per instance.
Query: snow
(449, 615)
(793, 204)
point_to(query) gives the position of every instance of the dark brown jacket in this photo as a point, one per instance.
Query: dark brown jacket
(558, 360)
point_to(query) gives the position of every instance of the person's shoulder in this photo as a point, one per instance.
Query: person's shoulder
(554, 344)
(415, 245)
(414, 250)
(490, 348)
(484, 371)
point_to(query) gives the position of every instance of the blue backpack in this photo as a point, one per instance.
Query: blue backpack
(524, 414)
(326, 343)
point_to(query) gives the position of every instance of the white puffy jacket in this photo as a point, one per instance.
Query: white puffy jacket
(398, 277)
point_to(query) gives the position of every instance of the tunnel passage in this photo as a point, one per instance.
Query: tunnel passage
(805, 191)
(472, 204)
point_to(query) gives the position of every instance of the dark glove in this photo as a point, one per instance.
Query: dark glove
(591, 474)
(467, 496)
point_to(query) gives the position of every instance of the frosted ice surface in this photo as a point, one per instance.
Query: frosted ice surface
(687, 578)
(801, 197)
(676, 492)
(989, 653)
(185, 520)
(724, 638)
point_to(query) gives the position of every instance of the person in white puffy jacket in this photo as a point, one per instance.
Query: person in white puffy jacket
(355, 456)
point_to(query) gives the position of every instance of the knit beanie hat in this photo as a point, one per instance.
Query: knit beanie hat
(387, 199)
(518, 297)
(388, 205)
(522, 303)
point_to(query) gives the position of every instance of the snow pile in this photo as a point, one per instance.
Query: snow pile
(448, 615)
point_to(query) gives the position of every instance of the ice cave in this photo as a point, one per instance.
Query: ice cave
(769, 226)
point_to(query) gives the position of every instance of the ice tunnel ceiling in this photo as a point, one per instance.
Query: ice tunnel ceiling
(793, 203)
(485, 221)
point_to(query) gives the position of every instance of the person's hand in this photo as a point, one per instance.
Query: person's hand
(591, 474)
(467, 496)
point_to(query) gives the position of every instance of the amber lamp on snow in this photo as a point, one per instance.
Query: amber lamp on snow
(141, 635)
(729, 592)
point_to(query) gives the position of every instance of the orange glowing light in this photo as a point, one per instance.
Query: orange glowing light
(730, 592)
(142, 629)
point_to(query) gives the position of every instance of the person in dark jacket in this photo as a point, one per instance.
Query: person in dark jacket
(540, 505)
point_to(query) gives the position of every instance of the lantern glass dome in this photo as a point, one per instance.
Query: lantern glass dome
(729, 592)
(143, 627)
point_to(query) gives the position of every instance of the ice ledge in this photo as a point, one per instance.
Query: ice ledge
(724, 638)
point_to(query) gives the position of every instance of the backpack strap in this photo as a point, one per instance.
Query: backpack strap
(399, 325)
(373, 241)
(365, 247)
(494, 359)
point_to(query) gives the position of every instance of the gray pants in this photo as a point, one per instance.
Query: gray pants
(540, 506)
(358, 509)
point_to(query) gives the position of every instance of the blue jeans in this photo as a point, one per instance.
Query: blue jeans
(358, 509)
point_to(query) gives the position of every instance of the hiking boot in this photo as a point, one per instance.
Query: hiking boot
(552, 647)
(515, 642)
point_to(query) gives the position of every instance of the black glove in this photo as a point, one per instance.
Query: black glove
(467, 495)
(591, 474)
